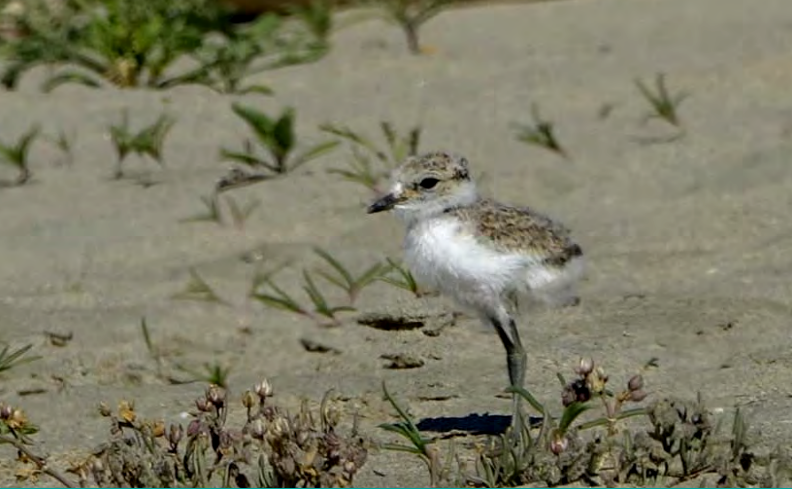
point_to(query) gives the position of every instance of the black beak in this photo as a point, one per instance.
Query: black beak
(384, 203)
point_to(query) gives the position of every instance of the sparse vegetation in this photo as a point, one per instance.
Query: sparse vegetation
(17, 155)
(272, 448)
(411, 15)
(149, 140)
(371, 163)
(540, 132)
(13, 358)
(277, 138)
(236, 214)
(138, 44)
(664, 104)
(677, 442)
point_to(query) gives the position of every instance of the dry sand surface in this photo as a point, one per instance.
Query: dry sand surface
(689, 242)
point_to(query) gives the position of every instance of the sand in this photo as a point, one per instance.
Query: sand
(688, 241)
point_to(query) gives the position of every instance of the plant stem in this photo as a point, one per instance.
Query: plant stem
(40, 462)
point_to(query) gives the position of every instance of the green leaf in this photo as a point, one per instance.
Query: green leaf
(571, 413)
(525, 394)
(69, 77)
(259, 122)
(313, 153)
(283, 134)
(245, 158)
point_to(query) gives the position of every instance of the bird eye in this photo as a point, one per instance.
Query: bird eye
(428, 183)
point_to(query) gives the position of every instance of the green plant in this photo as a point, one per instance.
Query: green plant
(237, 214)
(277, 138)
(17, 154)
(402, 279)
(417, 445)
(370, 163)
(198, 289)
(10, 359)
(342, 278)
(147, 141)
(322, 312)
(411, 15)
(65, 143)
(128, 44)
(664, 104)
(540, 132)
(213, 374)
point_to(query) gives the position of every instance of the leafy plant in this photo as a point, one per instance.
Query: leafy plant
(411, 15)
(276, 136)
(127, 44)
(540, 132)
(371, 163)
(342, 278)
(147, 141)
(664, 104)
(17, 154)
(322, 312)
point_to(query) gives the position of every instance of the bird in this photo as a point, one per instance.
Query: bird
(481, 253)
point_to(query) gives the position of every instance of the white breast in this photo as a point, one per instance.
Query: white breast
(442, 255)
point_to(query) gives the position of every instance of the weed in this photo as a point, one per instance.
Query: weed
(271, 449)
(370, 163)
(214, 213)
(127, 44)
(64, 142)
(411, 15)
(17, 154)
(540, 132)
(417, 444)
(341, 277)
(277, 138)
(147, 141)
(664, 104)
(322, 312)
(681, 442)
(402, 279)
(197, 289)
(10, 359)
(267, 43)
(213, 374)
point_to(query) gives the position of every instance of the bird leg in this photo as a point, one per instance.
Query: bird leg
(515, 361)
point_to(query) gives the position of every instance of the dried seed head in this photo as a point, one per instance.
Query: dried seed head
(203, 405)
(585, 366)
(264, 389)
(6, 411)
(175, 433)
(158, 428)
(104, 410)
(216, 395)
(576, 391)
(638, 396)
(18, 420)
(248, 399)
(636, 383)
(596, 380)
(194, 428)
(559, 443)
(258, 429)
(126, 411)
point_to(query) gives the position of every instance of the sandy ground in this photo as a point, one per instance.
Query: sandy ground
(688, 241)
